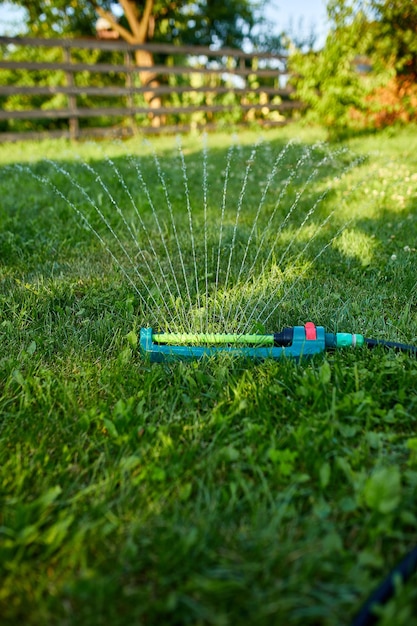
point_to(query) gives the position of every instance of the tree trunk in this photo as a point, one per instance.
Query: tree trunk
(141, 29)
(149, 78)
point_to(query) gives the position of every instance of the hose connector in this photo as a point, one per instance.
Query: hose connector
(344, 340)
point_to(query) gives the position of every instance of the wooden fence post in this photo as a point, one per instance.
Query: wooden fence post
(72, 98)
(129, 98)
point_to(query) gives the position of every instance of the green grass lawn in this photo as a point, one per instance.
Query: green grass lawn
(226, 491)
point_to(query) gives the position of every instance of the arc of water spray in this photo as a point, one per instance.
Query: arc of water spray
(58, 192)
(302, 252)
(269, 181)
(299, 255)
(107, 223)
(299, 194)
(249, 164)
(313, 208)
(229, 157)
(145, 230)
(308, 266)
(190, 222)
(164, 244)
(174, 227)
(306, 154)
(143, 225)
(205, 208)
(123, 218)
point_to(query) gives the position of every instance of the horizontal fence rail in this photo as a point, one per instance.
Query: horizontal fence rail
(105, 68)
(60, 86)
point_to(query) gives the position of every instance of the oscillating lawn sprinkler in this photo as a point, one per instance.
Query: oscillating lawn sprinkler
(295, 342)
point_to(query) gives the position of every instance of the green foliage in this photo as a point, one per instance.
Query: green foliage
(215, 21)
(328, 85)
(52, 19)
(179, 21)
(327, 80)
(338, 95)
(394, 40)
(31, 78)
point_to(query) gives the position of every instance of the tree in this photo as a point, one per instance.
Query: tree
(206, 22)
(395, 27)
(326, 80)
(393, 51)
(330, 81)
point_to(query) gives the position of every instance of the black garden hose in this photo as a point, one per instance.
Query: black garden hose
(404, 569)
(392, 345)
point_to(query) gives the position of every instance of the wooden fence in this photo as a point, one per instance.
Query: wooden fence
(81, 87)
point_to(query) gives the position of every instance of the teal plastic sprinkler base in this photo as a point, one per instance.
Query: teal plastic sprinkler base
(305, 341)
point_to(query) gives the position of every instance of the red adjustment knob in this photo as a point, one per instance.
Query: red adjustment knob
(311, 331)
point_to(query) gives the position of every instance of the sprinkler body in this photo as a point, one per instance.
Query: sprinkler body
(295, 343)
